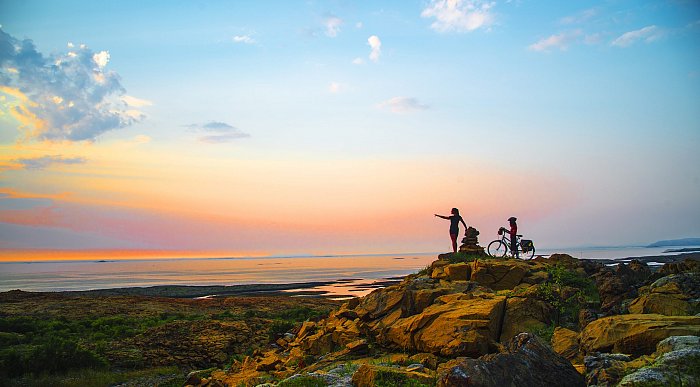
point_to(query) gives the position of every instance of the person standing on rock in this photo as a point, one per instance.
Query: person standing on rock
(514, 236)
(454, 226)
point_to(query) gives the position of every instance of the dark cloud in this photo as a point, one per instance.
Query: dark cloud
(46, 161)
(69, 96)
(218, 132)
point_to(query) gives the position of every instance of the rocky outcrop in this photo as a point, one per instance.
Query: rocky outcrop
(526, 361)
(676, 361)
(673, 295)
(635, 334)
(455, 325)
(619, 284)
(462, 321)
(524, 314)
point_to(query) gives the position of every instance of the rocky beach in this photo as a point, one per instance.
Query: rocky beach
(467, 319)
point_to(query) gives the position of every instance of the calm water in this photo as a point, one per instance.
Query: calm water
(364, 270)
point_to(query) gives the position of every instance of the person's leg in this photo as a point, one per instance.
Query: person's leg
(454, 242)
(514, 247)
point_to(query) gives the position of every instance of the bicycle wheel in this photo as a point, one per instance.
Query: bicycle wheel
(529, 253)
(497, 249)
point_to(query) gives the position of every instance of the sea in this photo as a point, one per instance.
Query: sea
(349, 275)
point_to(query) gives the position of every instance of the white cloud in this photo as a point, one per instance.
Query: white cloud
(136, 102)
(66, 96)
(647, 34)
(101, 58)
(560, 41)
(47, 161)
(580, 17)
(402, 105)
(246, 39)
(359, 25)
(376, 46)
(332, 24)
(459, 15)
(358, 61)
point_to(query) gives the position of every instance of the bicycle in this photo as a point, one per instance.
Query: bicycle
(500, 247)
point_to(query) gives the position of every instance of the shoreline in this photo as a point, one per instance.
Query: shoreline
(304, 289)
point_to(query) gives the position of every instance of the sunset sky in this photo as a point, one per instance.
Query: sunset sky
(323, 127)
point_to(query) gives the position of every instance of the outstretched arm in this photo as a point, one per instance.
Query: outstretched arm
(444, 217)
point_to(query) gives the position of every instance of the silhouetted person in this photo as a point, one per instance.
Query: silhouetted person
(514, 236)
(454, 226)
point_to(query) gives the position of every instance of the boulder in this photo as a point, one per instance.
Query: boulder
(499, 274)
(415, 301)
(681, 367)
(524, 314)
(427, 359)
(526, 361)
(635, 334)
(673, 295)
(456, 324)
(565, 342)
(458, 271)
(379, 303)
(605, 369)
(369, 375)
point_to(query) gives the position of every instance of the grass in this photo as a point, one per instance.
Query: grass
(395, 379)
(302, 381)
(55, 339)
(162, 377)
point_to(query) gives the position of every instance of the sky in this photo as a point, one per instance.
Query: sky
(330, 127)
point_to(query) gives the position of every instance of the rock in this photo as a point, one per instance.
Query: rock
(458, 271)
(673, 295)
(635, 334)
(426, 359)
(415, 367)
(675, 343)
(618, 284)
(455, 324)
(565, 260)
(524, 314)
(526, 362)
(499, 275)
(358, 347)
(680, 367)
(379, 303)
(369, 375)
(605, 369)
(565, 342)
(268, 363)
(415, 301)
(685, 266)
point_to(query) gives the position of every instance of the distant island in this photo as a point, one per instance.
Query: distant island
(676, 242)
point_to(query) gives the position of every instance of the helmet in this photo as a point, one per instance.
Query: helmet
(512, 219)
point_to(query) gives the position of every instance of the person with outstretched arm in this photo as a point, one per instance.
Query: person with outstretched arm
(454, 219)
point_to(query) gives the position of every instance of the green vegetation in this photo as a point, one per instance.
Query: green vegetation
(568, 291)
(302, 381)
(102, 340)
(395, 379)
(545, 333)
(160, 377)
